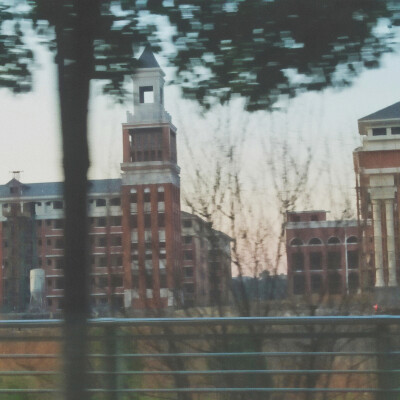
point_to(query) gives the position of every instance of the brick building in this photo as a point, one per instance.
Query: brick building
(371, 259)
(135, 222)
(377, 167)
(322, 255)
(206, 263)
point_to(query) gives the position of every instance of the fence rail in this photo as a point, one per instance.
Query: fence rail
(273, 358)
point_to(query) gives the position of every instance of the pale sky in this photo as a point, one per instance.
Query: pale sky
(325, 121)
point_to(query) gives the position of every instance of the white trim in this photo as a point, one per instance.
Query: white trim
(321, 224)
(373, 171)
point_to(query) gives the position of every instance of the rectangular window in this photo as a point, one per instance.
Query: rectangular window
(378, 131)
(103, 262)
(316, 260)
(102, 241)
(116, 240)
(187, 223)
(116, 281)
(100, 202)
(59, 244)
(334, 260)
(117, 261)
(134, 221)
(102, 282)
(299, 284)
(135, 281)
(58, 205)
(187, 239)
(116, 221)
(60, 283)
(147, 220)
(58, 224)
(116, 201)
(189, 288)
(188, 272)
(147, 197)
(59, 263)
(298, 261)
(188, 255)
(395, 130)
(161, 220)
(146, 94)
(160, 196)
(163, 279)
(149, 279)
(101, 222)
(352, 259)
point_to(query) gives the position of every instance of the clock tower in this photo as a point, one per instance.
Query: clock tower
(150, 195)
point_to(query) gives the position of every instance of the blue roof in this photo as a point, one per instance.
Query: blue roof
(391, 112)
(147, 59)
(54, 189)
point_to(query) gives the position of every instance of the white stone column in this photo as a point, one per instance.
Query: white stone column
(390, 243)
(379, 281)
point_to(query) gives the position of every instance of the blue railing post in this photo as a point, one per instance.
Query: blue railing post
(112, 364)
(385, 363)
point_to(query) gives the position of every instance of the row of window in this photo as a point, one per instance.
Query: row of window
(115, 201)
(101, 241)
(334, 284)
(59, 205)
(149, 279)
(317, 241)
(114, 260)
(394, 130)
(96, 222)
(101, 282)
(333, 260)
(117, 301)
(147, 220)
(147, 197)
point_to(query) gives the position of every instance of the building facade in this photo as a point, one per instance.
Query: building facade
(150, 195)
(135, 233)
(377, 168)
(206, 263)
(322, 256)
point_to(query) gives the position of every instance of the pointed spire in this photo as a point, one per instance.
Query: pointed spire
(147, 59)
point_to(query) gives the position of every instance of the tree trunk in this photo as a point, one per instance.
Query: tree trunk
(74, 35)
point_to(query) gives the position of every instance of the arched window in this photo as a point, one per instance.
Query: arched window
(296, 242)
(351, 239)
(333, 240)
(315, 241)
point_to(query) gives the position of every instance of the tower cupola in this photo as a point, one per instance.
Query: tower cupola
(148, 91)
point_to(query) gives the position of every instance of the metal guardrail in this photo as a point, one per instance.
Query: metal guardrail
(211, 358)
